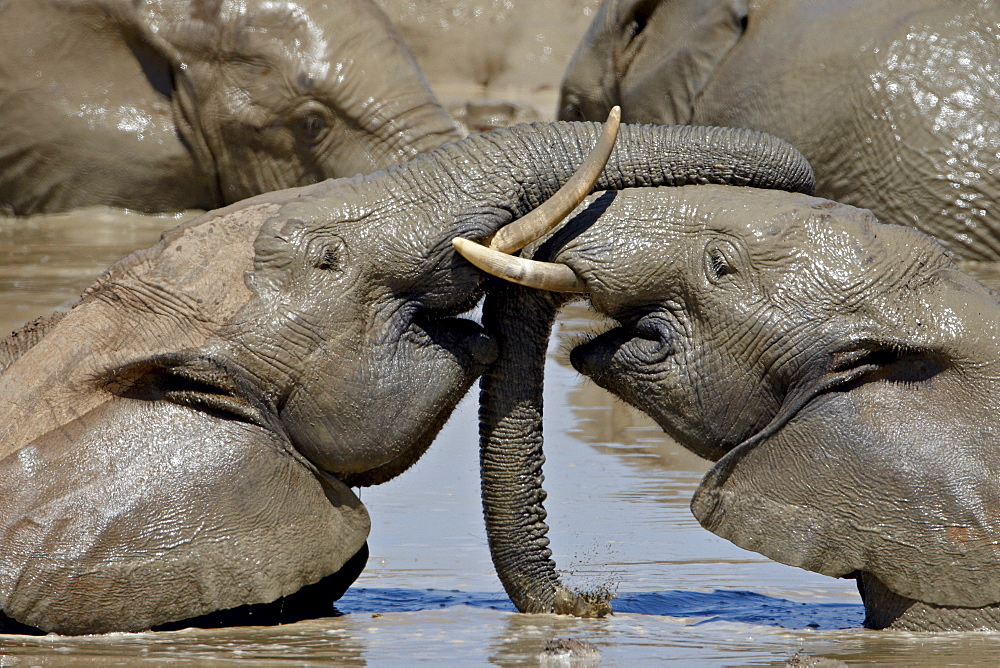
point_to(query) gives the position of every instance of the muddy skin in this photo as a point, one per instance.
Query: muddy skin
(840, 372)
(169, 105)
(911, 136)
(216, 396)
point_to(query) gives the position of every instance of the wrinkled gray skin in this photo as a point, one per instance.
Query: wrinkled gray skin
(183, 440)
(510, 420)
(895, 104)
(842, 373)
(162, 105)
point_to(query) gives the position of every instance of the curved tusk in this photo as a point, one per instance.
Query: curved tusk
(528, 228)
(529, 273)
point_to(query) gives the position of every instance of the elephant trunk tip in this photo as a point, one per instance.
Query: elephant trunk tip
(591, 604)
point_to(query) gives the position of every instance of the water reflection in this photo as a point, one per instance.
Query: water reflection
(700, 607)
(743, 606)
(304, 643)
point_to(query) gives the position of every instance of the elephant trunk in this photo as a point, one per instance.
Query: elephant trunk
(511, 455)
(521, 319)
(516, 169)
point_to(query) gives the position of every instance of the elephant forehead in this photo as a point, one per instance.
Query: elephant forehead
(290, 29)
(842, 243)
(848, 251)
(330, 207)
(765, 220)
(261, 29)
(645, 237)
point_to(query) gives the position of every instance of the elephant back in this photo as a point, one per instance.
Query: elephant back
(896, 112)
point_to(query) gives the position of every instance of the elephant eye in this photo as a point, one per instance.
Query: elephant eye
(329, 260)
(633, 26)
(328, 254)
(720, 266)
(640, 15)
(636, 26)
(310, 124)
(720, 259)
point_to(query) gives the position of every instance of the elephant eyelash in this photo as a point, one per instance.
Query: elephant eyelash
(719, 265)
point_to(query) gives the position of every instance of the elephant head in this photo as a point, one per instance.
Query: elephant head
(651, 57)
(201, 103)
(842, 373)
(511, 455)
(280, 94)
(210, 401)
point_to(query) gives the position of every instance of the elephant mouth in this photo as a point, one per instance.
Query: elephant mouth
(846, 370)
(460, 336)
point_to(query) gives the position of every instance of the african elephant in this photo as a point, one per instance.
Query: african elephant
(895, 104)
(162, 105)
(843, 374)
(183, 440)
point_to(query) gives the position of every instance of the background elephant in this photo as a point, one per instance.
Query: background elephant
(843, 374)
(162, 105)
(893, 103)
(184, 439)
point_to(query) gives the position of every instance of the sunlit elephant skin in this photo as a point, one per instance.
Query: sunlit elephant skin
(162, 105)
(842, 373)
(183, 440)
(895, 104)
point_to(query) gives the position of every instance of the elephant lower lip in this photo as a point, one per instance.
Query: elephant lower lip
(464, 338)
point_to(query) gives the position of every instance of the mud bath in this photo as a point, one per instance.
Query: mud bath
(618, 489)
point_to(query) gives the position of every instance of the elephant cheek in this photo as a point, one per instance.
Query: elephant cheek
(383, 409)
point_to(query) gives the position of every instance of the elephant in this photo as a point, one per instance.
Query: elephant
(894, 103)
(164, 105)
(843, 374)
(182, 442)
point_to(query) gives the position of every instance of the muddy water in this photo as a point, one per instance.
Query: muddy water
(618, 501)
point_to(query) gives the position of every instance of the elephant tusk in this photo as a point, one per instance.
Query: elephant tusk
(494, 259)
(529, 273)
(528, 228)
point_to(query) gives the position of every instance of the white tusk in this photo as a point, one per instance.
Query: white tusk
(551, 212)
(529, 273)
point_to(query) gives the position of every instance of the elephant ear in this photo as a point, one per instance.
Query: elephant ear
(169, 500)
(835, 491)
(685, 41)
(22, 340)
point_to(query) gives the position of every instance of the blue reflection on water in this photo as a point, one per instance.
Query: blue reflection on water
(743, 606)
(730, 606)
(415, 600)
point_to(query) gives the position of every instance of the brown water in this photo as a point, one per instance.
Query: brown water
(618, 508)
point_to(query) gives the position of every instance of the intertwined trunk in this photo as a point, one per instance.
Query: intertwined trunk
(511, 457)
